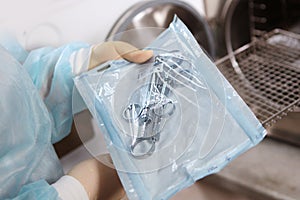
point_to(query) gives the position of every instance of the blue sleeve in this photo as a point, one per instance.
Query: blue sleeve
(51, 72)
(39, 190)
(26, 153)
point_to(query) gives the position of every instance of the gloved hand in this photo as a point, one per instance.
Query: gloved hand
(99, 180)
(117, 50)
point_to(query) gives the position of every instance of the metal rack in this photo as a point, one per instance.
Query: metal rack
(269, 81)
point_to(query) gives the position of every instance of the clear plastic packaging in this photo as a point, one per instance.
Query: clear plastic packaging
(171, 121)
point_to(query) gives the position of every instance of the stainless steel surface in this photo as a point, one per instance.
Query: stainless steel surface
(267, 172)
(235, 22)
(266, 15)
(159, 14)
(271, 68)
(230, 24)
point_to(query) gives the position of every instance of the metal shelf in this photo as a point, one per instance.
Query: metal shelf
(270, 78)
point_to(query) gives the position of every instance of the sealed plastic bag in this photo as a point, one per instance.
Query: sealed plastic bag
(171, 121)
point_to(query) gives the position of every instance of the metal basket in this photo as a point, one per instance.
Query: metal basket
(269, 81)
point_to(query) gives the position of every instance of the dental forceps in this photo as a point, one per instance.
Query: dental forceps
(148, 119)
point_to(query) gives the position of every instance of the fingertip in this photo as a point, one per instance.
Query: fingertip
(149, 53)
(140, 56)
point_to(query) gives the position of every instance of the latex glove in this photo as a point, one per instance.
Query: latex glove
(117, 50)
(100, 181)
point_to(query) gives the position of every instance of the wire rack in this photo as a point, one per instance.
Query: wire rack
(269, 81)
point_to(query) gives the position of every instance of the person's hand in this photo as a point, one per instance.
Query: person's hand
(116, 50)
(99, 180)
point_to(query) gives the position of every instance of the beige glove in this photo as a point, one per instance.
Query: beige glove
(117, 50)
(99, 181)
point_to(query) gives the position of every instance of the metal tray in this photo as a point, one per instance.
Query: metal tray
(266, 74)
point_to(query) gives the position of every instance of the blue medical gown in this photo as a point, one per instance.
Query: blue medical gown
(36, 111)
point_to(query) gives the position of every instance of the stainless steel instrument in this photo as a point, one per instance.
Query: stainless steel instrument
(148, 118)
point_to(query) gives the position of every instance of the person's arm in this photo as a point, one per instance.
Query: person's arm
(51, 73)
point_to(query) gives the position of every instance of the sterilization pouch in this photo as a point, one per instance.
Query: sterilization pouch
(170, 121)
